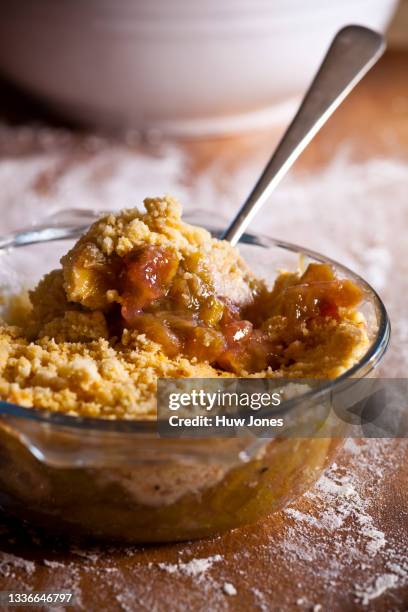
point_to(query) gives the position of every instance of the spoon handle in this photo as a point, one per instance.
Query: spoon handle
(353, 52)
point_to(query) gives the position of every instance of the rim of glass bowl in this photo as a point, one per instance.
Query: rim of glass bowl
(363, 367)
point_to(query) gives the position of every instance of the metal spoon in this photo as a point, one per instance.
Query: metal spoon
(353, 52)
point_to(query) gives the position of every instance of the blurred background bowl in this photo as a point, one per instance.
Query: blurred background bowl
(182, 67)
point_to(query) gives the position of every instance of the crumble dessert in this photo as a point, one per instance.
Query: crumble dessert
(144, 295)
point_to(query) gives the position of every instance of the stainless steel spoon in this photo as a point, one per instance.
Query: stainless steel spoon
(353, 52)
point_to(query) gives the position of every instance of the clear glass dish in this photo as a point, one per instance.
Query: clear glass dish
(118, 480)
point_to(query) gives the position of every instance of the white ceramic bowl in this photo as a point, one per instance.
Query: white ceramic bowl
(181, 66)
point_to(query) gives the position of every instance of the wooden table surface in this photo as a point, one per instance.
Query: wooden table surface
(343, 546)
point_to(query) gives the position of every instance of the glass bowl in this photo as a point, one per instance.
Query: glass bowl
(120, 481)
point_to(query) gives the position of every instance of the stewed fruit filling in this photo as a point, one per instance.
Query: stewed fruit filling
(175, 305)
(172, 300)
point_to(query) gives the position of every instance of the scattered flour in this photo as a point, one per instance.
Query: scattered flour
(10, 562)
(340, 505)
(194, 568)
(381, 584)
(54, 564)
(91, 554)
(260, 600)
(229, 588)
(102, 176)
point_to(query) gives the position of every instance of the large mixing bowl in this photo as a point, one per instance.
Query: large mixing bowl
(185, 66)
(118, 480)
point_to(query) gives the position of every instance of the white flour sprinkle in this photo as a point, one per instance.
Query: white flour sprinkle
(54, 564)
(229, 589)
(90, 555)
(346, 503)
(340, 505)
(301, 516)
(260, 600)
(9, 562)
(194, 568)
(45, 182)
(381, 584)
